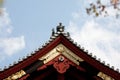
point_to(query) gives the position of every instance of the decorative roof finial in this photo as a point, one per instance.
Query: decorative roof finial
(53, 32)
(60, 28)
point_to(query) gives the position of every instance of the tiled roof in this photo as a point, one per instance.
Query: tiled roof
(60, 31)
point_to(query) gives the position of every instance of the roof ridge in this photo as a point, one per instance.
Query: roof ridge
(93, 56)
(60, 30)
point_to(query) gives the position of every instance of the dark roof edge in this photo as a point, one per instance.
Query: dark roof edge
(60, 31)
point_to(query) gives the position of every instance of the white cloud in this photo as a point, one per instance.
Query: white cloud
(12, 45)
(98, 40)
(5, 22)
(100, 35)
(8, 45)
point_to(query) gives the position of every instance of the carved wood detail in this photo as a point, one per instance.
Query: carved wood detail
(104, 76)
(61, 49)
(61, 64)
(15, 76)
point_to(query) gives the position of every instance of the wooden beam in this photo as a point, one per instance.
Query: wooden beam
(33, 67)
(60, 76)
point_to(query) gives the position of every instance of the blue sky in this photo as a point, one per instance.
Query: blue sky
(26, 25)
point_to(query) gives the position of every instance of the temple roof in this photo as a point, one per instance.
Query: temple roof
(60, 36)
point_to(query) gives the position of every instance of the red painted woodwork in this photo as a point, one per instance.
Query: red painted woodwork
(61, 64)
(29, 60)
(89, 59)
(63, 40)
(24, 77)
(50, 73)
(37, 75)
